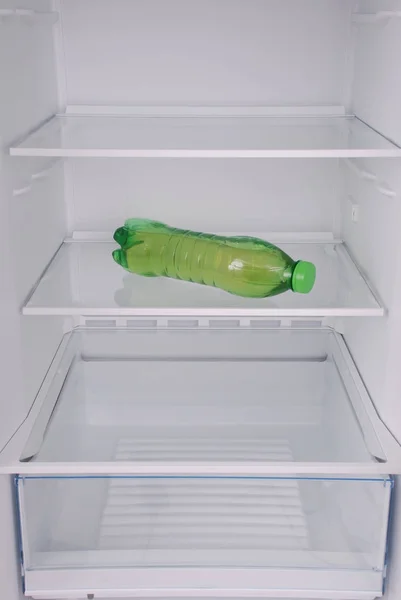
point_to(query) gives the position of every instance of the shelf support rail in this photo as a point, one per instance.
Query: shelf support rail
(366, 175)
(379, 17)
(28, 15)
(38, 175)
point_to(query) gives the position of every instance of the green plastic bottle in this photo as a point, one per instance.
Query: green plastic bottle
(245, 266)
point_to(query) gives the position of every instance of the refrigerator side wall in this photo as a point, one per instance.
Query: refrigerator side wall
(31, 228)
(374, 238)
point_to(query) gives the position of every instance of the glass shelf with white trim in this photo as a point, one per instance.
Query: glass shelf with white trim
(248, 134)
(83, 280)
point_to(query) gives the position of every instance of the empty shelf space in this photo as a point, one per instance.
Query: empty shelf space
(205, 137)
(84, 280)
(224, 402)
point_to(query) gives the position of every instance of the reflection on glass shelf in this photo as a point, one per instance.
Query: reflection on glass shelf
(205, 136)
(222, 399)
(83, 279)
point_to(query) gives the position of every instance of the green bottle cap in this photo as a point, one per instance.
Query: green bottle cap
(303, 277)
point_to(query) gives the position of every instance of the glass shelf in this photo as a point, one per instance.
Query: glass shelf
(84, 280)
(242, 401)
(205, 137)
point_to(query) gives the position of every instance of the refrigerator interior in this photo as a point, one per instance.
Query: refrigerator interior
(319, 55)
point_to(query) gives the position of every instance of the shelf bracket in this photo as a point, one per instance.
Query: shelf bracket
(380, 17)
(29, 15)
(366, 175)
(42, 174)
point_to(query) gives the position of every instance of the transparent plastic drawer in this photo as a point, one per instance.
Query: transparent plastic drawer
(116, 535)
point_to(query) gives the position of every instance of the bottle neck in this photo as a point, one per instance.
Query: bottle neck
(292, 269)
(288, 275)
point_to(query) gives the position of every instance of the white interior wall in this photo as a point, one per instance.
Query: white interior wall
(267, 52)
(376, 86)
(375, 343)
(375, 242)
(375, 239)
(31, 227)
(31, 223)
(188, 52)
(208, 195)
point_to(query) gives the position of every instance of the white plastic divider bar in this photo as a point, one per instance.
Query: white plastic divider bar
(287, 558)
(216, 111)
(276, 583)
(379, 439)
(206, 323)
